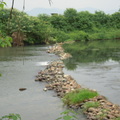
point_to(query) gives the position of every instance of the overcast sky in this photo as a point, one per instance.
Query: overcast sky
(104, 5)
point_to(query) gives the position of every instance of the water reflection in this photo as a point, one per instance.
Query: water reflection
(97, 69)
(34, 103)
(97, 56)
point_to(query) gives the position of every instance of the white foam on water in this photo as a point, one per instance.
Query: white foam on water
(42, 63)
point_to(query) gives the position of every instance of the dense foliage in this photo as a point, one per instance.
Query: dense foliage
(4, 39)
(72, 25)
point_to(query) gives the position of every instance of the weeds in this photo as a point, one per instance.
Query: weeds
(11, 117)
(68, 115)
(88, 105)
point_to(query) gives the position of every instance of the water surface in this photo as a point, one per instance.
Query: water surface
(98, 69)
(18, 67)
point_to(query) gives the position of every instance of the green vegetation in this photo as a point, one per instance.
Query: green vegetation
(4, 39)
(68, 115)
(0, 74)
(78, 96)
(11, 117)
(45, 29)
(88, 105)
(2, 4)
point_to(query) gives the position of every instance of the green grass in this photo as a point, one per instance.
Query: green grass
(78, 96)
(0, 74)
(88, 105)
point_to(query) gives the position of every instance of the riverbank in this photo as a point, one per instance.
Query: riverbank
(62, 84)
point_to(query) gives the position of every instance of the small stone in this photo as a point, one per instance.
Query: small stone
(91, 109)
(37, 79)
(58, 94)
(64, 80)
(72, 89)
(22, 89)
(45, 89)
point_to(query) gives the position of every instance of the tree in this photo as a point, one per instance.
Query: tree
(70, 17)
(100, 19)
(116, 19)
(58, 22)
(84, 21)
(4, 40)
(44, 17)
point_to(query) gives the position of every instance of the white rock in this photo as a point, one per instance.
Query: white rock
(45, 89)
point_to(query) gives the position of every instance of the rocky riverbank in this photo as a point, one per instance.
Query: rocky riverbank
(62, 84)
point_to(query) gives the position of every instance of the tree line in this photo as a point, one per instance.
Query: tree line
(45, 29)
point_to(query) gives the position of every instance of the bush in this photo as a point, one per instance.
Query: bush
(79, 36)
(5, 40)
(60, 36)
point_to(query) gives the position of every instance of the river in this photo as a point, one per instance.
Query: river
(98, 69)
(18, 67)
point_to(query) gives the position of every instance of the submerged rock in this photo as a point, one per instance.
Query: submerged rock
(45, 89)
(22, 89)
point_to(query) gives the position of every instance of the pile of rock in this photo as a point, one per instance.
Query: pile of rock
(58, 50)
(105, 111)
(62, 84)
(56, 79)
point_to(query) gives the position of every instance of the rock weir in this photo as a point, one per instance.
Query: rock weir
(56, 80)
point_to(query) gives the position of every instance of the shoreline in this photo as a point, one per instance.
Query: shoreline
(59, 82)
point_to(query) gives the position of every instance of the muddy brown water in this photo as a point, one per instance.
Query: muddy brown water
(18, 67)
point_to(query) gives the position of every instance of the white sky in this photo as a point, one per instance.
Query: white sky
(104, 5)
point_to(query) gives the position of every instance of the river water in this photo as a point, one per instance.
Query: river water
(18, 67)
(99, 70)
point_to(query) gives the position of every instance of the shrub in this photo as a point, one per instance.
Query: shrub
(5, 40)
(60, 36)
(79, 36)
